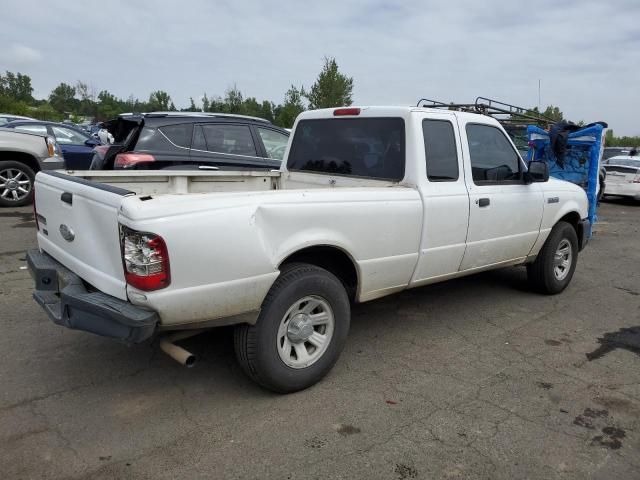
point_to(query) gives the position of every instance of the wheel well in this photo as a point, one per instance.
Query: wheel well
(21, 157)
(573, 218)
(332, 259)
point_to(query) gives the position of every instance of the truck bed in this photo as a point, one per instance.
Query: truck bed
(156, 182)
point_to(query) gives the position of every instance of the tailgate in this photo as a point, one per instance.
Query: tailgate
(78, 226)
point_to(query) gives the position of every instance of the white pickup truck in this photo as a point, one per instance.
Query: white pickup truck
(369, 201)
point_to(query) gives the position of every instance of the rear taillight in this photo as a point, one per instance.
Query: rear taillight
(128, 160)
(145, 259)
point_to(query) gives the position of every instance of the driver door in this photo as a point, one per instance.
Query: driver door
(505, 214)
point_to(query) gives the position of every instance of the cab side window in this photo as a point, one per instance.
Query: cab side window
(493, 159)
(440, 150)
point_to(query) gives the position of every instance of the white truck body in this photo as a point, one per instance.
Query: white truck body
(227, 233)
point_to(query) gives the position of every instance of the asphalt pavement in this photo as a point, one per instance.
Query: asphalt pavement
(472, 378)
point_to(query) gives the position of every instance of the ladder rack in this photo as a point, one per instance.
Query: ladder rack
(503, 112)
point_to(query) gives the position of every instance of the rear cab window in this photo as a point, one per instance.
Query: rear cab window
(359, 147)
(440, 150)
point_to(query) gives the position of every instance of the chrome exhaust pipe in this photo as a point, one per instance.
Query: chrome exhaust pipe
(179, 354)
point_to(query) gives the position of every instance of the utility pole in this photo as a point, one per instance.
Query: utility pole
(539, 107)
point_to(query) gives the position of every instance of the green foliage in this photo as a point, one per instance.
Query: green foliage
(233, 100)
(553, 112)
(62, 98)
(292, 107)
(612, 141)
(192, 107)
(331, 89)
(17, 87)
(80, 100)
(45, 111)
(160, 101)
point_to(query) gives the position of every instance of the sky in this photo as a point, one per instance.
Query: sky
(586, 54)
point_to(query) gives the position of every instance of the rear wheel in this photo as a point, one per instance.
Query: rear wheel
(300, 333)
(553, 269)
(16, 184)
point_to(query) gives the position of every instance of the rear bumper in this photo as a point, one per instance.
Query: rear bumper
(67, 302)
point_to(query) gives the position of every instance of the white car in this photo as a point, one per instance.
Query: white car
(9, 117)
(623, 176)
(368, 202)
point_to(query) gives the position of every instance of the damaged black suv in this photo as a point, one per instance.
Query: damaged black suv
(191, 140)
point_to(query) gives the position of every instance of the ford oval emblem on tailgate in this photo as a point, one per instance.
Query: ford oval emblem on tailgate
(67, 233)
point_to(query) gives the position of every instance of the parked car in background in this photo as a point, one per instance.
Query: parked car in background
(159, 140)
(8, 117)
(623, 177)
(76, 146)
(22, 155)
(616, 152)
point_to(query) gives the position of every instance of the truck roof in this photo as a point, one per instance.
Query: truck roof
(392, 111)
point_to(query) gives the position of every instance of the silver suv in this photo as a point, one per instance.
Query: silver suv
(22, 155)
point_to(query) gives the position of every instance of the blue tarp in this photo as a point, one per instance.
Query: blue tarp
(581, 163)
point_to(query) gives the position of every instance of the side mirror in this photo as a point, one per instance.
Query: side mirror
(538, 172)
(90, 142)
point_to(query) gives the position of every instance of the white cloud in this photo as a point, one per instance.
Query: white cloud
(587, 53)
(18, 54)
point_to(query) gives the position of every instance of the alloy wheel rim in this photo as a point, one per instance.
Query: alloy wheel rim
(562, 259)
(14, 184)
(305, 332)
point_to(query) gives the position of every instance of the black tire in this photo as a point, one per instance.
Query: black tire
(256, 345)
(7, 199)
(541, 274)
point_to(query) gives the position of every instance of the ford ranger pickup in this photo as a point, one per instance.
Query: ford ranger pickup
(368, 201)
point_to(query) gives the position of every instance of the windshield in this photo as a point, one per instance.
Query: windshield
(360, 147)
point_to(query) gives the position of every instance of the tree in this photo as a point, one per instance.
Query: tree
(109, 106)
(192, 106)
(87, 97)
(16, 86)
(291, 108)
(159, 101)
(553, 112)
(332, 88)
(205, 103)
(62, 98)
(233, 100)
(45, 111)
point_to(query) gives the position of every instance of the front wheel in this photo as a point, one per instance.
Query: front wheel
(16, 184)
(553, 269)
(300, 332)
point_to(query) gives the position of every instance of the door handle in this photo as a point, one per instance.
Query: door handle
(67, 197)
(483, 202)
